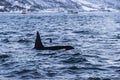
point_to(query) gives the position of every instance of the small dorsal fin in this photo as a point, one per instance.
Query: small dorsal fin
(38, 43)
(50, 40)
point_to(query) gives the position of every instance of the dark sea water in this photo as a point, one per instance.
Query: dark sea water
(95, 37)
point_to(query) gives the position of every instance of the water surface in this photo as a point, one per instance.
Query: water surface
(95, 36)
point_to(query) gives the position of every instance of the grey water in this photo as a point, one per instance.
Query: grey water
(95, 37)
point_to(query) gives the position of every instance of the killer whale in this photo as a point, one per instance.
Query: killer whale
(39, 46)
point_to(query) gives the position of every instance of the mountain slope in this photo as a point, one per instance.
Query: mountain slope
(115, 4)
(64, 5)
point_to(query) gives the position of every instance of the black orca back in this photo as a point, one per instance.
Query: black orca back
(39, 45)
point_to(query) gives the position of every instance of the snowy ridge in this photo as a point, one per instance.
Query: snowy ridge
(59, 5)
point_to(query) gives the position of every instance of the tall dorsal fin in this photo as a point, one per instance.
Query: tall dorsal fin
(38, 43)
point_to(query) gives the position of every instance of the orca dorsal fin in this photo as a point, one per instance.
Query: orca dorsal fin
(38, 42)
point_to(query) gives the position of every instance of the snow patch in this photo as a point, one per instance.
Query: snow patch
(88, 9)
(62, 1)
(1, 7)
(83, 2)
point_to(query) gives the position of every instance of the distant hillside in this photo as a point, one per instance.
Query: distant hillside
(59, 5)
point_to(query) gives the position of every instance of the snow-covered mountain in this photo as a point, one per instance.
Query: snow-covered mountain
(107, 4)
(59, 5)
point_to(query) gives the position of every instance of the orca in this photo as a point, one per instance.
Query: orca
(39, 46)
